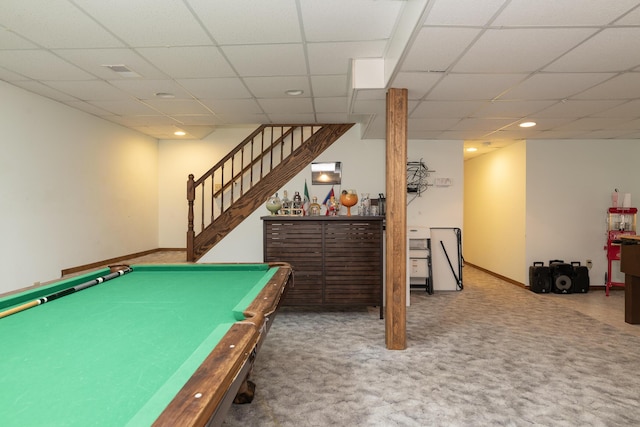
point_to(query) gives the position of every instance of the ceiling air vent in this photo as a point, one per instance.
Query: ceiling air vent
(123, 70)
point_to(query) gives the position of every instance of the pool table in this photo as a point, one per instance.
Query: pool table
(166, 345)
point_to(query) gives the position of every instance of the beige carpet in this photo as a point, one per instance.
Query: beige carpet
(492, 354)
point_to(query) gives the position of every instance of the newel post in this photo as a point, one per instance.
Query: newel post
(191, 195)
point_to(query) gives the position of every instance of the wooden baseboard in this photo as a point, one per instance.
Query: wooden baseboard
(116, 260)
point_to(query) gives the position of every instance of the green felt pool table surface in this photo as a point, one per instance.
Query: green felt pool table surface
(118, 353)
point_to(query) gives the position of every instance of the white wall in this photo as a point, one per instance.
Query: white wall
(569, 185)
(495, 211)
(74, 189)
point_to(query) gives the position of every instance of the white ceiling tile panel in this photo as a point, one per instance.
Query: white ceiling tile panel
(519, 50)
(632, 18)
(287, 105)
(93, 90)
(216, 88)
(177, 106)
(575, 108)
(197, 119)
(429, 53)
(267, 60)
(473, 86)
(335, 58)
(368, 106)
(481, 124)
(243, 118)
(127, 106)
(89, 108)
(625, 86)
(188, 62)
(58, 23)
(94, 60)
(555, 85)
(331, 105)
(463, 12)
(446, 109)
(275, 87)
(337, 20)
(11, 40)
(417, 84)
(562, 13)
(513, 109)
(431, 124)
(232, 106)
(379, 94)
(612, 49)
(147, 89)
(293, 118)
(44, 90)
(40, 65)
(149, 23)
(627, 109)
(273, 21)
(329, 85)
(591, 124)
(332, 118)
(145, 120)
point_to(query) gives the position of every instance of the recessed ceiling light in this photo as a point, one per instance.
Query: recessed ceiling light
(165, 95)
(179, 133)
(294, 92)
(527, 124)
(471, 149)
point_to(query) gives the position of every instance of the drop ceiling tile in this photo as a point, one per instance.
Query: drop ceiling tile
(335, 58)
(520, 49)
(41, 89)
(558, 134)
(275, 87)
(216, 88)
(368, 106)
(463, 12)
(177, 106)
(462, 135)
(188, 62)
(610, 134)
(613, 49)
(289, 105)
(363, 94)
(273, 21)
(11, 77)
(244, 118)
(421, 124)
(144, 120)
(418, 84)
(632, 18)
(629, 109)
(329, 85)
(54, 24)
(11, 40)
(147, 89)
(197, 119)
(124, 107)
(92, 90)
(356, 19)
(577, 108)
(148, 22)
(295, 118)
(232, 106)
(331, 105)
(473, 86)
(481, 124)
(89, 108)
(562, 13)
(592, 124)
(332, 118)
(435, 49)
(446, 109)
(40, 65)
(554, 85)
(511, 109)
(94, 60)
(625, 86)
(260, 60)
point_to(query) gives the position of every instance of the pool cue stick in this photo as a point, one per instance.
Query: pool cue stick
(65, 292)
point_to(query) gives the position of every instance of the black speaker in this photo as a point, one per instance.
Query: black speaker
(580, 278)
(561, 278)
(539, 278)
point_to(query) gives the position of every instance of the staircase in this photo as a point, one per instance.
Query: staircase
(245, 178)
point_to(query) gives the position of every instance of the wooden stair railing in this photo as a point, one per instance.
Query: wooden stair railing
(245, 178)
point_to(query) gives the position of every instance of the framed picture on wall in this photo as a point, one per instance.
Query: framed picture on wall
(326, 173)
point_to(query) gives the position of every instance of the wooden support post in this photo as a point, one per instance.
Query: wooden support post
(396, 211)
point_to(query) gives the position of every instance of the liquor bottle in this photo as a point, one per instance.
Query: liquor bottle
(297, 201)
(286, 203)
(314, 207)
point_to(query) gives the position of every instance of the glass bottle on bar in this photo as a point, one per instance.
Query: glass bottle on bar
(286, 204)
